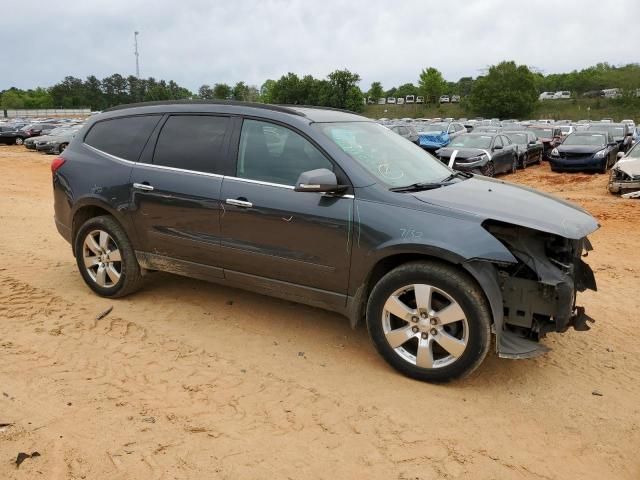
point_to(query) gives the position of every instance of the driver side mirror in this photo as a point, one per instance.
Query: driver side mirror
(497, 147)
(320, 180)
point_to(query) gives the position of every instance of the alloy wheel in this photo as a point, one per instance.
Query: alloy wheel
(425, 326)
(19, 141)
(102, 258)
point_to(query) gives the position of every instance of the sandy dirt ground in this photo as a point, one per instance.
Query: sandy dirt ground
(190, 380)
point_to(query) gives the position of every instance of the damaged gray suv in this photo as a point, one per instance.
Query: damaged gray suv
(330, 209)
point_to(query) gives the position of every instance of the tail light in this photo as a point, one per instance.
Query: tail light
(56, 163)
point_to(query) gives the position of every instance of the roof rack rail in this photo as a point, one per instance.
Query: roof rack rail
(277, 108)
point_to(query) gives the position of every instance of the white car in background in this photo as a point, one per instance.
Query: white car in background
(410, 99)
(632, 126)
(382, 101)
(566, 130)
(455, 99)
(444, 99)
(562, 95)
(391, 100)
(419, 99)
(400, 101)
(546, 96)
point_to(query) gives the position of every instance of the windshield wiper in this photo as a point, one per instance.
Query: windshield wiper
(416, 187)
(457, 174)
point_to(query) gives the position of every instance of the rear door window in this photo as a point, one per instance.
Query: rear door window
(123, 137)
(193, 142)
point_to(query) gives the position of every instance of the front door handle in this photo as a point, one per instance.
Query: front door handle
(239, 203)
(143, 186)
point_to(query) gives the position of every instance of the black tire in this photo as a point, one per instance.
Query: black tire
(461, 288)
(605, 165)
(130, 278)
(19, 141)
(525, 160)
(488, 169)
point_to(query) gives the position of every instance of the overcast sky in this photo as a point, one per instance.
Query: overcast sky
(198, 41)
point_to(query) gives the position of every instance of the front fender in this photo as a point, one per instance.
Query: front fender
(453, 238)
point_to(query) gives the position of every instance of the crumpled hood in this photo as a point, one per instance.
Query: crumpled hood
(630, 166)
(579, 148)
(498, 200)
(463, 153)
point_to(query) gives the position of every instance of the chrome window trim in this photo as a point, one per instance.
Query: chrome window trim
(113, 157)
(215, 175)
(180, 170)
(260, 182)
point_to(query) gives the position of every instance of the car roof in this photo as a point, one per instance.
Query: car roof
(313, 114)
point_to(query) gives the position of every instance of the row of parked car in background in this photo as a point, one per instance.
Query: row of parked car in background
(485, 146)
(493, 146)
(410, 99)
(48, 135)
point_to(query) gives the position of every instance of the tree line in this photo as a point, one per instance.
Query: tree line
(340, 90)
(504, 90)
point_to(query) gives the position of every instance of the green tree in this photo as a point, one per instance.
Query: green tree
(431, 84)
(240, 91)
(266, 91)
(375, 92)
(222, 91)
(406, 89)
(205, 92)
(93, 93)
(12, 99)
(508, 90)
(344, 91)
(286, 90)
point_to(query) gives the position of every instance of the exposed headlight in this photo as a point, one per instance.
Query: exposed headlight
(555, 153)
(601, 153)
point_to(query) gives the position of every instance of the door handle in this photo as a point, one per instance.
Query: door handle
(239, 203)
(143, 186)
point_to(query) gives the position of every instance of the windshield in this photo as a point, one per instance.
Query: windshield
(435, 127)
(634, 152)
(594, 139)
(614, 130)
(542, 132)
(387, 156)
(518, 138)
(471, 141)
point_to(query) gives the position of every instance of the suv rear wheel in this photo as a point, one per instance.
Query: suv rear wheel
(429, 321)
(106, 259)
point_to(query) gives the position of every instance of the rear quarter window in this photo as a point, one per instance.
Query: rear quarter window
(123, 137)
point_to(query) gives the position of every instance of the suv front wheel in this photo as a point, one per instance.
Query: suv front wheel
(429, 321)
(106, 259)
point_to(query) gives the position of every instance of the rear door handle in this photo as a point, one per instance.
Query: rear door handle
(239, 203)
(143, 186)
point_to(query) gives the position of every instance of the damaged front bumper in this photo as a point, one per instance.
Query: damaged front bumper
(539, 292)
(625, 176)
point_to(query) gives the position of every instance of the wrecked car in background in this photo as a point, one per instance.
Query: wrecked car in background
(625, 174)
(433, 136)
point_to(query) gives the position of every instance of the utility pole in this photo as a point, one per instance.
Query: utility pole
(135, 43)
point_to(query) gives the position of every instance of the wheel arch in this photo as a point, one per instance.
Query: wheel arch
(91, 207)
(357, 303)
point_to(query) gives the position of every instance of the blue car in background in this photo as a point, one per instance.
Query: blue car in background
(433, 136)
